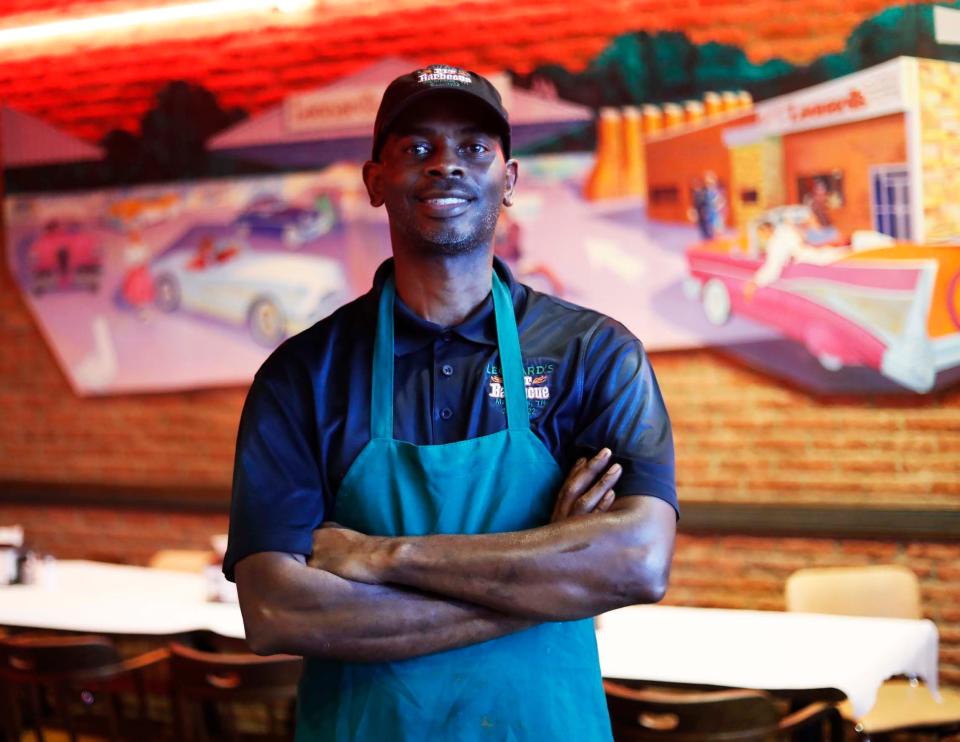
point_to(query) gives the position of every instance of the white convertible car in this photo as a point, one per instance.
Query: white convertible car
(274, 294)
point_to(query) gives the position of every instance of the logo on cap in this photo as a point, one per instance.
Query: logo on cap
(442, 73)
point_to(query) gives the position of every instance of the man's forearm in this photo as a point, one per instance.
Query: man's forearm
(565, 570)
(291, 608)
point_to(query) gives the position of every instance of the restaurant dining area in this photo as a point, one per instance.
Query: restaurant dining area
(97, 650)
(491, 371)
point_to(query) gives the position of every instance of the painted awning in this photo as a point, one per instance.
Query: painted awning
(335, 122)
(26, 141)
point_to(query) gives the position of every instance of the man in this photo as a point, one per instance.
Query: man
(448, 594)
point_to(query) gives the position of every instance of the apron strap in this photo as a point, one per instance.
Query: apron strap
(381, 380)
(511, 362)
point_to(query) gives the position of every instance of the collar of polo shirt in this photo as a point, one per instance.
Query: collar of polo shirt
(412, 332)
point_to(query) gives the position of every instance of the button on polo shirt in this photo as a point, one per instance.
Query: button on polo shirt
(588, 383)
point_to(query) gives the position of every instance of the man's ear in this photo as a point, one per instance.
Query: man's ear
(373, 180)
(510, 175)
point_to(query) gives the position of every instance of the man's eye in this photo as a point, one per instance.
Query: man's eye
(477, 148)
(418, 149)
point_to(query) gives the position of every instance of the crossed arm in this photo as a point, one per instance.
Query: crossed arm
(364, 598)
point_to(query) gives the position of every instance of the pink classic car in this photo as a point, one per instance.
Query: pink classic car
(64, 256)
(891, 306)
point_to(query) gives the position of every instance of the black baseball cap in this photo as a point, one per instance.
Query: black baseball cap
(434, 80)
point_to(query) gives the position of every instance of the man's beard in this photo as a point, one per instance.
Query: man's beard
(449, 240)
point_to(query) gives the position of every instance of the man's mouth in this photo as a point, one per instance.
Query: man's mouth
(442, 205)
(445, 201)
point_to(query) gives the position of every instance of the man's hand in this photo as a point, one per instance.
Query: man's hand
(348, 554)
(587, 488)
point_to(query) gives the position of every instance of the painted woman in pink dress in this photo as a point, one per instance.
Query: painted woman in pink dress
(137, 288)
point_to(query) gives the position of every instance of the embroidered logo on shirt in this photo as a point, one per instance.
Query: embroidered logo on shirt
(536, 380)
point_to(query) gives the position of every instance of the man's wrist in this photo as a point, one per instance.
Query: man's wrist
(391, 555)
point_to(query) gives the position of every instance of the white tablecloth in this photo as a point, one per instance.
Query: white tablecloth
(117, 599)
(768, 650)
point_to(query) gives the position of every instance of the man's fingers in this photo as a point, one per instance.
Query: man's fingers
(591, 499)
(583, 474)
(580, 480)
(603, 487)
(606, 501)
(567, 492)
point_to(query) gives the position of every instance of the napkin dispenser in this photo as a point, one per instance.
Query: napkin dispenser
(11, 541)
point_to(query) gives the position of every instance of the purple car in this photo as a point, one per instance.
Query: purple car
(292, 225)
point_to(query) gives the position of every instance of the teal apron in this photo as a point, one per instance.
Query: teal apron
(542, 683)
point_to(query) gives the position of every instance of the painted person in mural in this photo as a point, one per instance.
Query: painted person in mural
(709, 209)
(821, 230)
(441, 484)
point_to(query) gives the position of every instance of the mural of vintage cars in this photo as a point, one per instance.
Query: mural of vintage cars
(272, 217)
(215, 273)
(867, 301)
(64, 256)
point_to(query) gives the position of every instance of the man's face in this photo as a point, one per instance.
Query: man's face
(442, 177)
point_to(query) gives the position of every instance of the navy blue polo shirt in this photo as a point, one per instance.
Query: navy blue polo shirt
(307, 415)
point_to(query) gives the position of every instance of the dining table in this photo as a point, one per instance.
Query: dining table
(95, 597)
(776, 651)
(769, 650)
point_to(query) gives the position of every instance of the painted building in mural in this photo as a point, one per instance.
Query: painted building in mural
(845, 238)
(883, 144)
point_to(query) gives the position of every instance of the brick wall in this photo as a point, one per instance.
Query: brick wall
(740, 436)
(47, 433)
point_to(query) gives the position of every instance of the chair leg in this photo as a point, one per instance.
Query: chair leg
(37, 709)
(178, 707)
(13, 723)
(114, 715)
(62, 703)
(838, 732)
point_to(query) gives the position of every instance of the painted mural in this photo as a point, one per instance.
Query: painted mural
(798, 217)
(159, 288)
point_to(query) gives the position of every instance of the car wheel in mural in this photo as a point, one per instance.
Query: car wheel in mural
(716, 301)
(167, 292)
(266, 322)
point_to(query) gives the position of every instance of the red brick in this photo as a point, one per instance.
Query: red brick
(878, 549)
(946, 551)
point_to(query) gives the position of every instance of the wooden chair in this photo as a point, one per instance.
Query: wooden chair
(646, 714)
(78, 685)
(883, 591)
(887, 591)
(233, 696)
(181, 560)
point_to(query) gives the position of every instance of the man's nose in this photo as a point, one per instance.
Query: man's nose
(445, 163)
